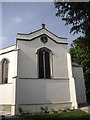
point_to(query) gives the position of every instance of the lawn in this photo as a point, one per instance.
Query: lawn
(72, 115)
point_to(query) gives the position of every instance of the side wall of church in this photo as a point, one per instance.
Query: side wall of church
(7, 91)
(79, 84)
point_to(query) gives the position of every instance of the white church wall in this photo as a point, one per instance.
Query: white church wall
(6, 97)
(28, 61)
(24, 88)
(72, 88)
(79, 84)
(33, 91)
(8, 90)
(12, 58)
(43, 92)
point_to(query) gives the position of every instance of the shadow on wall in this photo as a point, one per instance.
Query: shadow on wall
(35, 93)
(32, 93)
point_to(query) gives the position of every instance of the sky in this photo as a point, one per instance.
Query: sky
(26, 17)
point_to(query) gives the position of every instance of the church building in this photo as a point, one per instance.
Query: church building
(37, 72)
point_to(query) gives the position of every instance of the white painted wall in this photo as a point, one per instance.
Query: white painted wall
(37, 91)
(8, 90)
(42, 92)
(79, 83)
(28, 62)
(30, 89)
(6, 94)
(12, 57)
(72, 88)
(25, 89)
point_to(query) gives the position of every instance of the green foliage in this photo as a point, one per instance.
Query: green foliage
(80, 54)
(78, 15)
(73, 115)
(75, 13)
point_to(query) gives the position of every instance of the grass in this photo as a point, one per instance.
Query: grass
(72, 115)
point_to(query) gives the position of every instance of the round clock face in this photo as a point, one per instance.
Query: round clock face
(44, 39)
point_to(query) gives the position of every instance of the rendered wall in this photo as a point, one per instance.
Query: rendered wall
(12, 58)
(28, 62)
(7, 91)
(34, 93)
(72, 87)
(79, 84)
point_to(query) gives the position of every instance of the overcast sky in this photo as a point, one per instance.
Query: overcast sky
(26, 17)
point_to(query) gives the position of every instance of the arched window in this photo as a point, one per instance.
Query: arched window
(5, 65)
(44, 67)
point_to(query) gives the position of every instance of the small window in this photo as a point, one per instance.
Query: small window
(44, 63)
(5, 65)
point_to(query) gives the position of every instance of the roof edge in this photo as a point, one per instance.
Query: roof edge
(27, 39)
(40, 30)
(7, 47)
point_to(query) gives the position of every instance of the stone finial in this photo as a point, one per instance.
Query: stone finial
(43, 25)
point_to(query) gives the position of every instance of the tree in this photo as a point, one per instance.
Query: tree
(81, 55)
(78, 15)
(75, 13)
